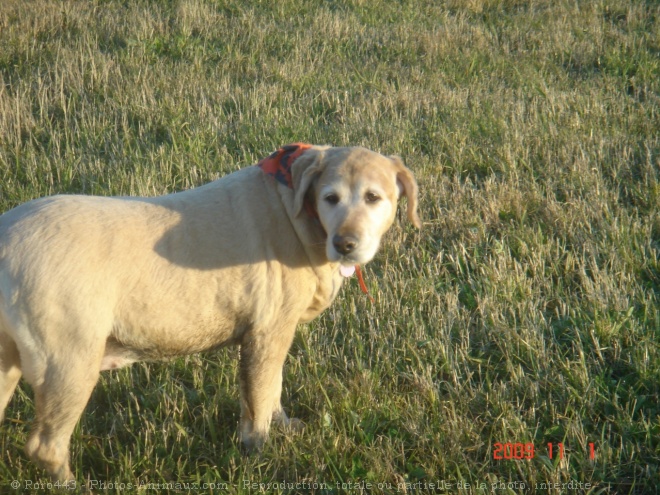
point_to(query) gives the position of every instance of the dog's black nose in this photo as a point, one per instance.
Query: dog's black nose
(344, 244)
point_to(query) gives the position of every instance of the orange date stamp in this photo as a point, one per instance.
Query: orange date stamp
(522, 451)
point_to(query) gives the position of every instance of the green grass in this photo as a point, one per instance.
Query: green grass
(525, 311)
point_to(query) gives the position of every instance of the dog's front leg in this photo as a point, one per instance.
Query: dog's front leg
(261, 361)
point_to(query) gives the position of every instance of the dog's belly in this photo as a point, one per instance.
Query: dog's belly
(148, 346)
(150, 330)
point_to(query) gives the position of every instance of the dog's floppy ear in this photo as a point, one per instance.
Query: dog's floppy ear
(407, 184)
(304, 170)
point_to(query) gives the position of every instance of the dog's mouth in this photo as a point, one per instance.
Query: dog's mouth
(357, 257)
(351, 260)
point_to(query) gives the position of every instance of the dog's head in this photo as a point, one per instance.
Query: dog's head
(355, 193)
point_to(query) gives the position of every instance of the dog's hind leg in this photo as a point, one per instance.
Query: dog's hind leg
(10, 370)
(61, 393)
(60, 401)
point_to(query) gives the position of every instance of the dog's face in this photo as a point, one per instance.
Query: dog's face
(355, 192)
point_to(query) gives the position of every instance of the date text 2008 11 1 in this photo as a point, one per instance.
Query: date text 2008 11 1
(521, 451)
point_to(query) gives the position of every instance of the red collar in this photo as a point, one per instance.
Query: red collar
(278, 166)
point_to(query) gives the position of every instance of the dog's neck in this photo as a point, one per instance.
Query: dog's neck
(278, 165)
(311, 233)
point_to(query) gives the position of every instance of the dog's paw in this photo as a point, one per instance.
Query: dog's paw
(253, 442)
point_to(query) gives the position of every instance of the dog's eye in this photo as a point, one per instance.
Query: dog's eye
(331, 198)
(371, 197)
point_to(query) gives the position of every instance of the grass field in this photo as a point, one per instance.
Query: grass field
(526, 311)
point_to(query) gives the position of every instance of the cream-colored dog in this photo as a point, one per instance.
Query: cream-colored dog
(95, 283)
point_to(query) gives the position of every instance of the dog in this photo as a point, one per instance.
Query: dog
(93, 283)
